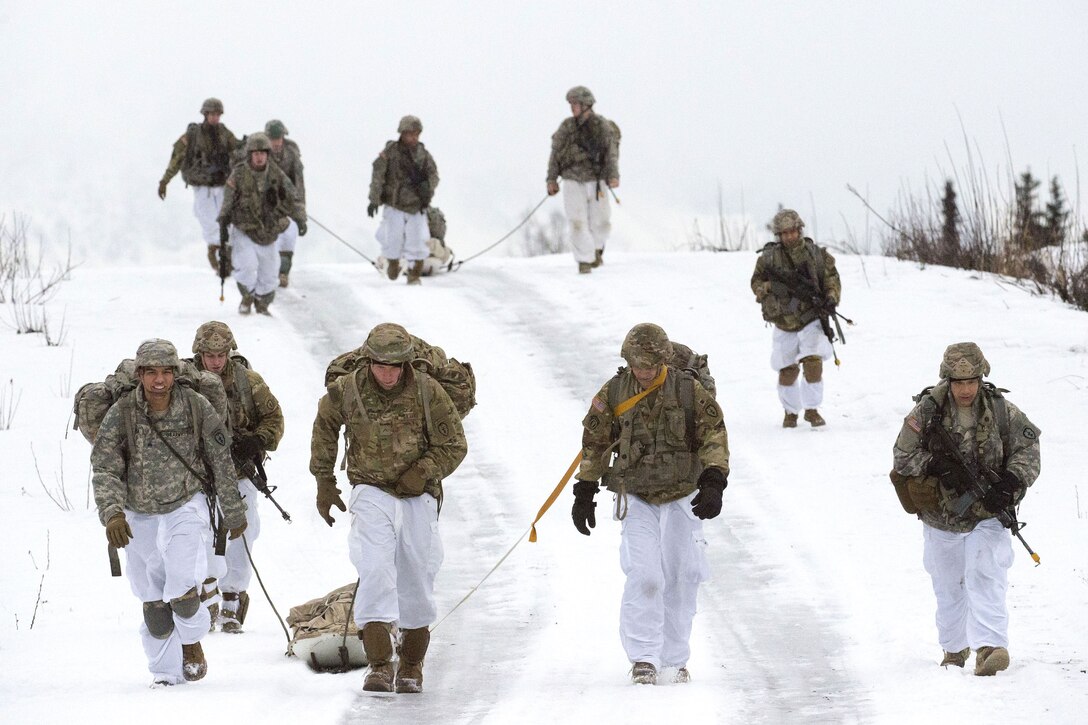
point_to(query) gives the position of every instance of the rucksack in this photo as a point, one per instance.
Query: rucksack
(455, 377)
(241, 382)
(684, 358)
(93, 400)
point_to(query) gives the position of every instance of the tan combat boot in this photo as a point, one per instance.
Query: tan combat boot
(193, 664)
(599, 260)
(393, 269)
(413, 648)
(262, 302)
(790, 420)
(643, 673)
(956, 659)
(246, 305)
(379, 652)
(415, 272)
(814, 418)
(991, 660)
(229, 621)
(682, 676)
(585, 267)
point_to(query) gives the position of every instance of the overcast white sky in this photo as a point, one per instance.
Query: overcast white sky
(776, 102)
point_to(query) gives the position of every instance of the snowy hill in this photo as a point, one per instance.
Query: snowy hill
(818, 609)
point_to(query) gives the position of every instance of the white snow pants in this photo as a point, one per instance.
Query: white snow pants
(207, 201)
(166, 558)
(256, 266)
(589, 215)
(403, 235)
(395, 546)
(663, 554)
(787, 349)
(286, 242)
(970, 574)
(233, 570)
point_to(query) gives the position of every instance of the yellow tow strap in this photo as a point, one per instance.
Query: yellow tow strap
(620, 410)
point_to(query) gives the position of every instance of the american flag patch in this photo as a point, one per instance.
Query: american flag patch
(914, 424)
(598, 404)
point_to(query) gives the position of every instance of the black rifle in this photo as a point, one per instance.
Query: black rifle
(978, 486)
(253, 469)
(800, 288)
(224, 258)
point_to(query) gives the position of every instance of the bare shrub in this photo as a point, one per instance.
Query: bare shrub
(9, 404)
(25, 282)
(547, 236)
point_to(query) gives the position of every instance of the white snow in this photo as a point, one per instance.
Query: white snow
(818, 609)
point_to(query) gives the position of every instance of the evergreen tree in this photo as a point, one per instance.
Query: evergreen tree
(950, 225)
(1028, 231)
(1057, 215)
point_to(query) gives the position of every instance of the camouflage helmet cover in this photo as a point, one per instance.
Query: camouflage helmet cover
(646, 346)
(785, 220)
(581, 94)
(258, 142)
(410, 123)
(157, 353)
(388, 344)
(214, 337)
(964, 361)
(275, 129)
(211, 105)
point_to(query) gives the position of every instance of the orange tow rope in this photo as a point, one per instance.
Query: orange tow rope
(620, 410)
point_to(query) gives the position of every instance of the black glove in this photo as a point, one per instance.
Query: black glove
(246, 446)
(708, 502)
(371, 210)
(582, 510)
(1002, 494)
(301, 229)
(162, 189)
(950, 474)
(224, 234)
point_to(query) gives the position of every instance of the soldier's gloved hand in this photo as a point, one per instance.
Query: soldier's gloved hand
(328, 495)
(762, 290)
(237, 531)
(948, 472)
(1002, 494)
(224, 234)
(553, 188)
(302, 228)
(162, 189)
(582, 510)
(708, 502)
(411, 482)
(829, 301)
(371, 210)
(270, 197)
(118, 532)
(246, 446)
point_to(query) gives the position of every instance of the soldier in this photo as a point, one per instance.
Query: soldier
(258, 202)
(286, 155)
(967, 554)
(796, 282)
(670, 467)
(585, 152)
(404, 436)
(404, 179)
(202, 155)
(256, 427)
(152, 452)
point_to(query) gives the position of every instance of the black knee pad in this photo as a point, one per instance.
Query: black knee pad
(814, 368)
(187, 604)
(788, 376)
(159, 619)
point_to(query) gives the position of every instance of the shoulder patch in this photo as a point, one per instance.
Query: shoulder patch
(1030, 433)
(598, 404)
(913, 424)
(444, 429)
(711, 410)
(219, 437)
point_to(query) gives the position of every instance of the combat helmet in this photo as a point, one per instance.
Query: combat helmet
(157, 353)
(214, 337)
(211, 105)
(410, 123)
(275, 129)
(257, 142)
(388, 344)
(786, 220)
(646, 346)
(964, 361)
(581, 94)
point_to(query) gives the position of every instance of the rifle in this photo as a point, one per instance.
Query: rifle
(978, 486)
(224, 258)
(796, 286)
(253, 469)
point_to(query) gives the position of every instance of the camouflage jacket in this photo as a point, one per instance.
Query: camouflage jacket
(289, 159)
(981, 443)
(647, 450)
(259, 202)
(404, 178)
(149, 478)
(785, 304)
(387, 432)
(585, 149)
(202, 155)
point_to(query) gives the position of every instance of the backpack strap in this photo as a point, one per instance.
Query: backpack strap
(245, 390)
(685, 391)
(425, 395)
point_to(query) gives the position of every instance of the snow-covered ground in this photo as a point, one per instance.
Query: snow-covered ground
(818, 609)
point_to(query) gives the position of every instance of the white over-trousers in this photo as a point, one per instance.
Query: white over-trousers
(165, 559)
(286, 242)
(395, 546)
(233, 570)
(663, 554)
(970, 574)
(787, 349)
(256, 266)
(207, 201)
(403, 235)
(590, 214)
